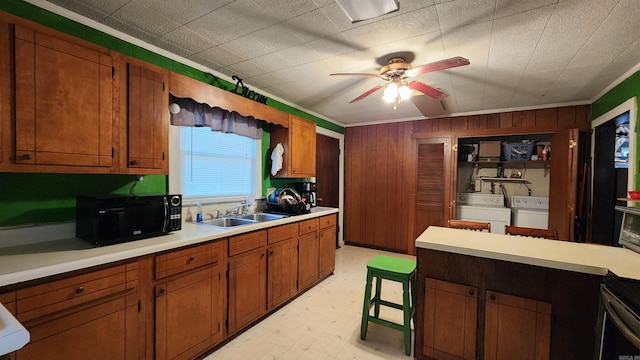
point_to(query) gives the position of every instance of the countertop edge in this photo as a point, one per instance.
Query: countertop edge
(562, 255)
(48, 263)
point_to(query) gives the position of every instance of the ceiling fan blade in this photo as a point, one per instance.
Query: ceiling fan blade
(427, 90)
(367, 93)
(355, 74)
(438, 65)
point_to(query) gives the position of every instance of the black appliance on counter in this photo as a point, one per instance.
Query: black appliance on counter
(309, 191)
(619, 315)
(112, 219)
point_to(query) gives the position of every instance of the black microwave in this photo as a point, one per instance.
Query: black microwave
(111, 219)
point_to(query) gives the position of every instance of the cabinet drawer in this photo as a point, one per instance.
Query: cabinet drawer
(40, 300)
(247, 242)
(280, 233)
(308, 226)
(8, 300)
(191, 258)
(327, 221)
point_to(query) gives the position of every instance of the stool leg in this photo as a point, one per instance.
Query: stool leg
(378, 296)
(366, 306)
(406, 309)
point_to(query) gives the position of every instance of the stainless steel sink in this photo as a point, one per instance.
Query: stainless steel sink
(260, 217)
(228, 222)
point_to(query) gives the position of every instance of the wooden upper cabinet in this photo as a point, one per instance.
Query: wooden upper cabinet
(299, 142)
(145, 118)
(64, 91)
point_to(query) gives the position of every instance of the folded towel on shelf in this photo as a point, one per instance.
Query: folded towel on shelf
(276, 159)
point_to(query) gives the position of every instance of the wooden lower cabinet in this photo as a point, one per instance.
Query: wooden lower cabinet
(97, 332)
(94, 315)
(450, 317)
(190, 314)
(516, 327)
(247, 300)
(282, 272)
(308, 253)
(327, 251)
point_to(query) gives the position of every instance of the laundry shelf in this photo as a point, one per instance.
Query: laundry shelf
(504, 180)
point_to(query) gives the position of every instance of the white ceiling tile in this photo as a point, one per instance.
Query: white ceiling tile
(311, 26)
(145, 19)
(95, 10)
(92, 6)
(221, 56)
(129, 29)
(245, 69)
(247, 47)
(182, 12)
(509, 7)
(186, 39)
(298, 55)
(272, 61)
(459, 13)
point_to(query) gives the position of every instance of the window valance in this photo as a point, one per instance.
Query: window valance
(188, 112)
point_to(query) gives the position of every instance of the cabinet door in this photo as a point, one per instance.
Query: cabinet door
(516, 327)
(450, 315)
(64, 95)
(327, 251)
(189, 314)
(96, 332)
(302, 148)
(308, 249)
(433, 184)
(564, 180)
(147, 118)
(247, 288)
(282, 272)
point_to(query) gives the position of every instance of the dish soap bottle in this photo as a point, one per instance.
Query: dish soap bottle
(199, 213)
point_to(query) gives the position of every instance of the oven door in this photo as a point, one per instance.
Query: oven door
(620, 338)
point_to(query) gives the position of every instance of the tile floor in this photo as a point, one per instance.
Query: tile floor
(324, 322)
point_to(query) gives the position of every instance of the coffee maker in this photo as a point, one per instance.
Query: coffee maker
(309, 190)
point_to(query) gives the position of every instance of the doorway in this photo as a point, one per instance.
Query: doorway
(329, 172)
(613, 164)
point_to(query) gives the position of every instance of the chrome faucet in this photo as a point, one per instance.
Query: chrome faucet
(240, 209)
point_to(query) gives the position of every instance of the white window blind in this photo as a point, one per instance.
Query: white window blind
(215, 164)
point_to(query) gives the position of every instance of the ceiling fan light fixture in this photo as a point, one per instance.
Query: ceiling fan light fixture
(390, 93)
(359, 10)
(404, 92)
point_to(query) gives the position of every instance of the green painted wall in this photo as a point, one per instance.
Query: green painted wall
(42, 198)
(627, 89)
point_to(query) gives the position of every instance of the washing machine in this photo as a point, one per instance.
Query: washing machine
(484, 208)
(530, 211)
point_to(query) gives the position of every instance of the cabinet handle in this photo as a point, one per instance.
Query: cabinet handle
(79, 290)
(133, 162)
(161, 291)
(492, 297)
(191, 258)
(471, 292)
(25, 157)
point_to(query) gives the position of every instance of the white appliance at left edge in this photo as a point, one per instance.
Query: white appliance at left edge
(484, 208)
(13, 336)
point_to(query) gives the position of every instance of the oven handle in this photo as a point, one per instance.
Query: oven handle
(610, 303)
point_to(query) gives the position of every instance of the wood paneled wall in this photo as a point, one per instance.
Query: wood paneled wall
(380, 167)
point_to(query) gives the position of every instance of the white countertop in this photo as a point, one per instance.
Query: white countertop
(563, 255)
(37, 260)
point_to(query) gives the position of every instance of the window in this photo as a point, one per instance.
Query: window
(210, 166)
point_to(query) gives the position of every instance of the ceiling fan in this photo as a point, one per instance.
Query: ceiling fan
(397, 71)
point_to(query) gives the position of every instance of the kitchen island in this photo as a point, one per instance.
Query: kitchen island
(482, 295)
(175, 296)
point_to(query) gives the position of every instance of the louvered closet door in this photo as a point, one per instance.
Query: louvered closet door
(433, 183)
